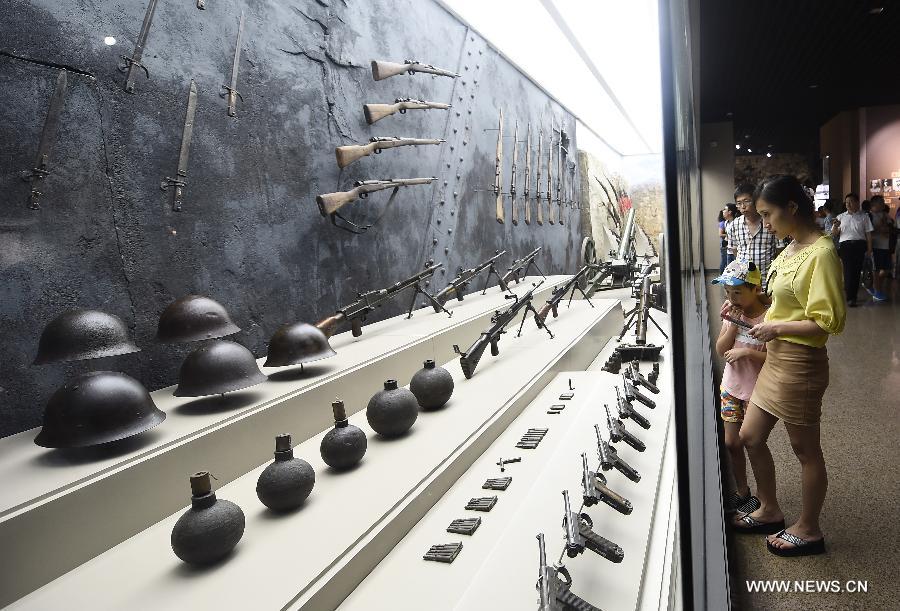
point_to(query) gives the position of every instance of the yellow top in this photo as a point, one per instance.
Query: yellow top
(808, 285)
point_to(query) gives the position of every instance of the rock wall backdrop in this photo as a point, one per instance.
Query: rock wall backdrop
(250, 234)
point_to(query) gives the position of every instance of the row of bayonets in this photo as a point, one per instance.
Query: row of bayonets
(554, 581)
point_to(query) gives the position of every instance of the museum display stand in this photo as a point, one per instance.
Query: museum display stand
(498, 565)
(59, 509)
(313, 558)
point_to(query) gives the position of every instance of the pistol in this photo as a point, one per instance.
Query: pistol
(594, 490)
(581, 536)
(609, 459)
(555, 594)
(632, 393)
(618, 432)
(626, 411)
(634, 373)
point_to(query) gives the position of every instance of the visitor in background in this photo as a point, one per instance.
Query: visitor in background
(807, 307)
(824, 218)
(744, 357)
(853, 229)
(882, 224)
(750, 239)
(726, 217)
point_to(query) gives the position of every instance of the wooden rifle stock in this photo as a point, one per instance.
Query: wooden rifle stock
(382, 70)
(329, 203)
(346, 155)
(330, 324)
(376, 112)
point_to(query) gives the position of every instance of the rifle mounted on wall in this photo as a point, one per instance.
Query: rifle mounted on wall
(377, 112)
(346, 155)
(382, 70)
(355, 313)
(331, 203)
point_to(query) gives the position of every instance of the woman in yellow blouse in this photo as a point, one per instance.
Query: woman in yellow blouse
(805, 284)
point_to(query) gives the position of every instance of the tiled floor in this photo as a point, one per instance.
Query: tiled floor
(861, 443)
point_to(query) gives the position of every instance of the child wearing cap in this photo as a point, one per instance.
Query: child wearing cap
(744, 357)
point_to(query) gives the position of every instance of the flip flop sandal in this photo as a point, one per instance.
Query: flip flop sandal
(755, 527)
(801, 546)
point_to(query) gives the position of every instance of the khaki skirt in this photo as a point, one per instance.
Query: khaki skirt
(792, 382)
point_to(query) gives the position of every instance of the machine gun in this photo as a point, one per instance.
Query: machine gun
(572, 285)
(609, 459)
(356, 312)
(594, 490)
(618, 432)
(459, 284)
(331, 203)
(620, 269)
(581, 536)
(555, 594)
(519, 268)
(469, 359)
(382, 70)
(346, 155)
(627, 411)
(634, 374)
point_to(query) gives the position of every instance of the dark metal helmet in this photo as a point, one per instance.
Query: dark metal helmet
(97, 407)
(76, 335)
(216, 368)
(297, 343)
(193, 318)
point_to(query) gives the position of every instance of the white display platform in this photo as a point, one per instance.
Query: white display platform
(50, 517)
(497, 567)
(313, 558)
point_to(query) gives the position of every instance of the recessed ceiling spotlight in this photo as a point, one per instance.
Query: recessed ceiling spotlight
(876, 10)
(737, 146)
(749, 150)
(746, 136)
(768, 154)
(813, 86)
(770, 146)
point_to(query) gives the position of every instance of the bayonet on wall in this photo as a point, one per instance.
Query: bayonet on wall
(537, 190)
(180, 180)
(527, 189)
(48, 136)
(231, 91)
(512, 184)
(550, 178)
(138, 53)
(498, 170)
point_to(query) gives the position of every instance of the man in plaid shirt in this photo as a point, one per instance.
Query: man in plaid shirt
(746, 233)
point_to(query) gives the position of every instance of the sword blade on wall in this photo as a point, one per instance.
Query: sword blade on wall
(138, 54)
(180, 180)
(48, 137)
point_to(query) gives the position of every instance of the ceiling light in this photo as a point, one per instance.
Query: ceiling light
(768, 154)
(749, 150)
(813, 86)
(729, 114)
(737, 146)
(876, 10)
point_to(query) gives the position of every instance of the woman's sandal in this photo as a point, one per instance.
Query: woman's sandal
(801, 547)
(755, 527)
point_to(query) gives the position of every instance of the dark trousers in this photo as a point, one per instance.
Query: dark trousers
(852, 253)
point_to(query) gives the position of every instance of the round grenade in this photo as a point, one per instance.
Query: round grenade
(432, 386)
(286, 483)
(345, 444)
(392, 411)
(208, 530)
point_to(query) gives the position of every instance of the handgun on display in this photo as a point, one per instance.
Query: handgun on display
(635, 375)
(555, 594)
(609, 459)
(594, 490)
(580, 535)
(632, 393)
(627, 411)
(618, 432)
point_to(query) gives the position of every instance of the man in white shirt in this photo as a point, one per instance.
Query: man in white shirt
(853, 229)
(747, 235)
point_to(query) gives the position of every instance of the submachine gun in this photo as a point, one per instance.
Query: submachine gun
(557, 295)
(458, 285)
(581, 536)
(519, 268)
(594, 490)
(491, 337)
(356, 312)
(555, 594)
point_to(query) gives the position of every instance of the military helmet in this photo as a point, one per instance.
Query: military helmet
(97, 407)
(193, 318)
(76, 335)
(297, 343)
(216, 368)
